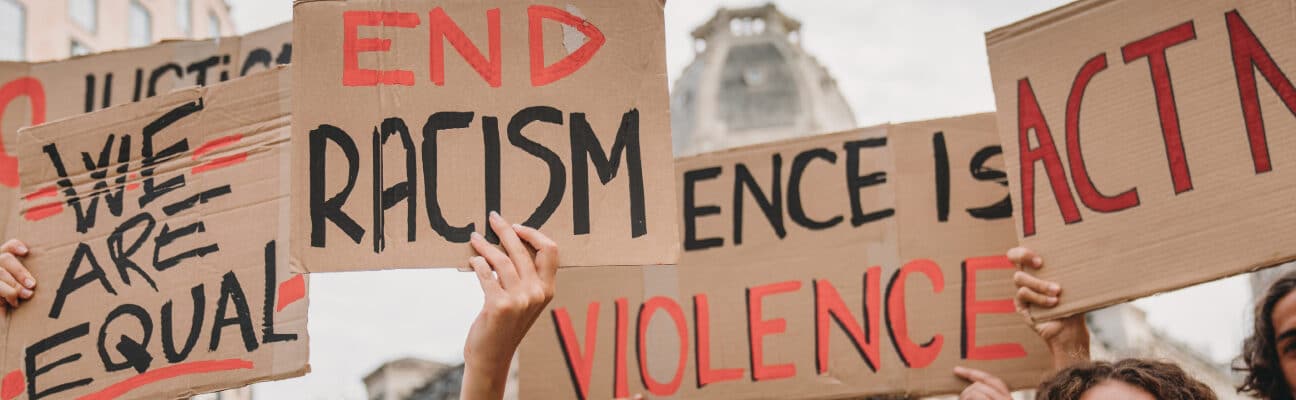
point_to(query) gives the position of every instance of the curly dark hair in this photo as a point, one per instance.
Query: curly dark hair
(1163, 380)
(1264, 375)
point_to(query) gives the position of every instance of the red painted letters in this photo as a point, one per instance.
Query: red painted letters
(973, 307)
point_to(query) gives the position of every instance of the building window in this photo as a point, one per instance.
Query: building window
(141, 25)
(184, 16)
(78, 49)
(213, 26)
(85, 13)
(13, 30)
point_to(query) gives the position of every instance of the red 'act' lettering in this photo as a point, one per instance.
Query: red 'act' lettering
(1154, 48)
(1030, 117)
(1089, 194)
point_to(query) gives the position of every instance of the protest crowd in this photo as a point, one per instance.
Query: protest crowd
(167, 204)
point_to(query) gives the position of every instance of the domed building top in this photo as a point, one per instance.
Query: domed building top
(751, 82)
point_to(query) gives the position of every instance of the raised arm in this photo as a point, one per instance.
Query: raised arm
(517, 282)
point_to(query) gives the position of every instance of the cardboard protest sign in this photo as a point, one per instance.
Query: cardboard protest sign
(1150, 143)
(22, 103)
(159, 240)
(419, 117)
(836, 266)
(33, 93)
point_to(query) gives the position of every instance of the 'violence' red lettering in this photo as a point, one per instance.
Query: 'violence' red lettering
(913, 355)
(677, 316)
(829, 306)
(579, 363)
(758, 327)
(973, 307)
(702, 324)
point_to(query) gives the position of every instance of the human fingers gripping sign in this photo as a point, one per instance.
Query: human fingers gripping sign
(517, 283)
(1067, 338)
(984, 385)
(546, 256)
(16, 281)
(1031, 290)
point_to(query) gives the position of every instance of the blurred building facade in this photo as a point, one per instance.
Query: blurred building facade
(399, 379)
(751, 82)
(1261, 279)
(42, 30)
(418, 379)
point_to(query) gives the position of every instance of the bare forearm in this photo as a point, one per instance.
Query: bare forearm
(1070, 353)
(484, 380)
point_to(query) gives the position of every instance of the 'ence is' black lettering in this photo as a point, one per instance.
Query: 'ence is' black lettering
(796, 210)
(771, 205)
(855, 182)
(941, 154)
(692, 211)
(1001, 209)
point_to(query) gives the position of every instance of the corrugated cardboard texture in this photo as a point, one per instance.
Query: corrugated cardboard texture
(32, 93)
(417, 117)
(1157, 141)
(162, 259)
(834, 234)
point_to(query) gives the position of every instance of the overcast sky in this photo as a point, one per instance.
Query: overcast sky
(894, 61)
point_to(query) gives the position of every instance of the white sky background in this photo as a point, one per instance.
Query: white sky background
(894, 61)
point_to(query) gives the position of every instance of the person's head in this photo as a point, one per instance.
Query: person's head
(1132, 379)
(1269, 355)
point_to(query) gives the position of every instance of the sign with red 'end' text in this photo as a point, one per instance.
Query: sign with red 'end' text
(416, 118)
(1151, 145)
(158, 233)
(836, 266)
